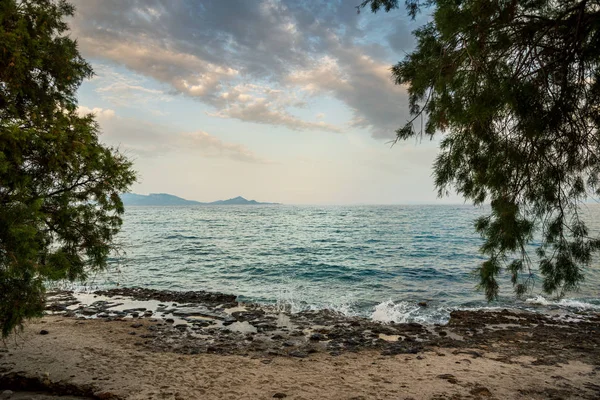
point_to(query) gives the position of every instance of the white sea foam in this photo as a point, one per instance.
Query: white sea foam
(565, 303)
(388, 311)
(403, 312)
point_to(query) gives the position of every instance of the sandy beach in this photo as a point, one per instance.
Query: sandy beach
(125, 358)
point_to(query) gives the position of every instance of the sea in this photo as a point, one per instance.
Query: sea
(379, 262)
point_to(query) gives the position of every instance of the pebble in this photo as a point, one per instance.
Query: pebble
(279, 395)
(44, 332)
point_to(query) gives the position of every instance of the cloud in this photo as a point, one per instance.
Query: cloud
(262, 111)
(150, 140)
(126, 90)
(211, 146)
(205, 50)
(100, 113)
(361, 82)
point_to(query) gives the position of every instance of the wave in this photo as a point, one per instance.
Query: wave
(563, 303)
(405, 312)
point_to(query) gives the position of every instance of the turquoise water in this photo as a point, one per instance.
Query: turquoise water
(376, 261)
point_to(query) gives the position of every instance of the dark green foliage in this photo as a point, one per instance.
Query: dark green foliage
(59, 203)
(513, 88)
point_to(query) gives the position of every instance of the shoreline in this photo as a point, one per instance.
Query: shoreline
(201, 328)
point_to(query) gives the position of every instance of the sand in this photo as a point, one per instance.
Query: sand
(103, 358)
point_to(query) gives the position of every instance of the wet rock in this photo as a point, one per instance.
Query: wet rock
(44, 332)
(265, 326)
(248, 315)
(135, 310)
(200, 311)
(171, 296)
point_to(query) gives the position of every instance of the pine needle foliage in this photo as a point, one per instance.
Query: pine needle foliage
(513, 88)
(59, 186)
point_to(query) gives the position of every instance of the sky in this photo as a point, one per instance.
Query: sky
(275, 100)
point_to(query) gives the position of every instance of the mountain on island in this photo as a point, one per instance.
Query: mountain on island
(164, 199)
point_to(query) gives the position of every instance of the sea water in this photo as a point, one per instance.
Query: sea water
(375, 261)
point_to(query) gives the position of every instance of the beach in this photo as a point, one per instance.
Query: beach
(147, 354)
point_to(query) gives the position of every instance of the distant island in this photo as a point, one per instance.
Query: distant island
(164, 199)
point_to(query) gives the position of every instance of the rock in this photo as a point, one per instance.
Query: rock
(279, 395)
(276, 337)
(422, 304)
(137, 325)
(481, 392)
(89, 311)
(44, 332)
(132, 333)
(7, 394)
(170, 320)
(317, 337)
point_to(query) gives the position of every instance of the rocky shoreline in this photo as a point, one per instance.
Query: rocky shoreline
(135, 343)
(204, 322)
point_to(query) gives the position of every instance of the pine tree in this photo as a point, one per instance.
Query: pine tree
(59, 186)
(513, 87)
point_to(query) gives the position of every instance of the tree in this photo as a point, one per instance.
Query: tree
(513, 87)
(59, 202)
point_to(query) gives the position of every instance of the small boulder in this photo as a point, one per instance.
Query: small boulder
(298, 354)
(317, 337)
